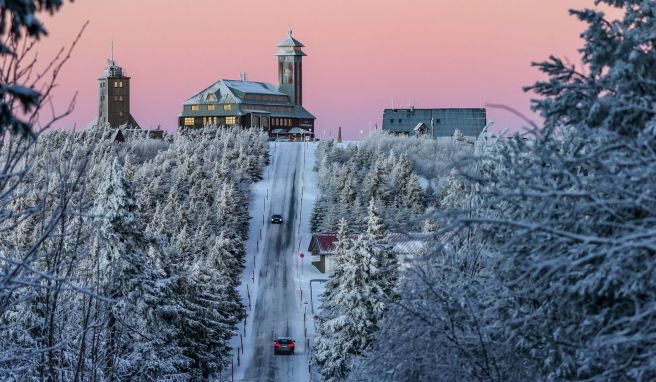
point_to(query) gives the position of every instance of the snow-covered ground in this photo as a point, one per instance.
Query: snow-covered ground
(276, 283)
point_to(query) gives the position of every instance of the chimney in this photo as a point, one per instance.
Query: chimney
(339, 135)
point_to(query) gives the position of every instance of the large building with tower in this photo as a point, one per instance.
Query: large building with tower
(114, 98)
(434, 123)
(277, 109)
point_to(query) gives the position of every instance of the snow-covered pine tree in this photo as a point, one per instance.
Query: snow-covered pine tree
(378, 244)
(361, 287)
(375, 185)
(564, 218)
(119, 248)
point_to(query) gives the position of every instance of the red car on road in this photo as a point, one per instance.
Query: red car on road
(283, 345)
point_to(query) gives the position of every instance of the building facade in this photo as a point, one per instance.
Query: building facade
(434, 123)
(114, 98)
(276, 109)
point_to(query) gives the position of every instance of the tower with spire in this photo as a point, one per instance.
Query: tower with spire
(114, 96)
(290, 68)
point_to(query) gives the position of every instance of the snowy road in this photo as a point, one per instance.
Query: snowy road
(272, 276)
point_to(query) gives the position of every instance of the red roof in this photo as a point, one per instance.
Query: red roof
(325, 243)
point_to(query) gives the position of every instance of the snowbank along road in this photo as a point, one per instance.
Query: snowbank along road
(271, 274)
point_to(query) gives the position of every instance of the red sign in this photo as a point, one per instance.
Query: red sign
(302, 255)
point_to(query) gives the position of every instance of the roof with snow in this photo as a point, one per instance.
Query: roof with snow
(403, 243)
(290, 46)
(112, 70)
(233, 91)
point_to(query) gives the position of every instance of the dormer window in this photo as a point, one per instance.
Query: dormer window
(195, 107)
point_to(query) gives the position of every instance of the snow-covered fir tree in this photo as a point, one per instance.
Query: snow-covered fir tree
(357, 295)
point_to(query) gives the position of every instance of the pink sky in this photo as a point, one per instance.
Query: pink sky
(362, 54)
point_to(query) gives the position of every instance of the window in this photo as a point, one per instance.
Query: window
(400, 120)
(215, 121)
(392, 120)
(227, 107)
(289, 121)
(115, 84)
(231, 120)
(120, 113)
(211, 107)
(204, 121)
(195, 107)
(120, 84)
(189, 121)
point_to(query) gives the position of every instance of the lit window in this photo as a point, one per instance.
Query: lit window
(115, 84)
(204, 121)
(189, 121)
(120, 84)
(211, 107)
(120, 113)
(215, 121)
(195, 107)
(227, 107)
(231, 120)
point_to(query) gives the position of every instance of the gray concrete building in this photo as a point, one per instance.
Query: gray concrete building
(434, 123)
(114, 97)
(276, 109)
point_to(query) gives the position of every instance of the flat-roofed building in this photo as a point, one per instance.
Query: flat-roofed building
(434, 123)
(276, 109)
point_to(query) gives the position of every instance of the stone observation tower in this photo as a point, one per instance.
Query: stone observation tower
(290, 68)
(114, 97)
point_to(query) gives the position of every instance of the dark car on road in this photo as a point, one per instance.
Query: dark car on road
(283, 345)
(276, 219)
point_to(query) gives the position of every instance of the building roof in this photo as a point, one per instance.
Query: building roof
(112, 70)
(252, 87)
(290, 41)
(420, 126)
(290, 46)
(298, 130)
(403, 243)
(231, 91)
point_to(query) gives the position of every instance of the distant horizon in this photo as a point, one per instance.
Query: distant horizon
(353, 71)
